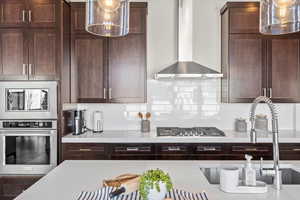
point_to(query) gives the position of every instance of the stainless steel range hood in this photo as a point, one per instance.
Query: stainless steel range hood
(185, 67)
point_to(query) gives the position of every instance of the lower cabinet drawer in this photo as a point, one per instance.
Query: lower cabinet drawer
(12, 186)
(132, 152)
(289, 151)
(238, 151)
(87, 151)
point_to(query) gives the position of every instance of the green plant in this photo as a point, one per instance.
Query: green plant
(150, 180)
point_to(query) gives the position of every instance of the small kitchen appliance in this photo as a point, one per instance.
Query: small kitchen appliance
(79, 120)
(74, 122)
(98, 122)
(189, 132)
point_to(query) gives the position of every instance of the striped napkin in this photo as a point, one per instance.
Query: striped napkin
(103, 194)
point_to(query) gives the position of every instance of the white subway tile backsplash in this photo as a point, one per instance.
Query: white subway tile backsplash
(185, 103)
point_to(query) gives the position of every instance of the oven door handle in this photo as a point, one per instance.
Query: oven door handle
(31, 133)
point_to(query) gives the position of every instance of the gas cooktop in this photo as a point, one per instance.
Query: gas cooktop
(189, 132)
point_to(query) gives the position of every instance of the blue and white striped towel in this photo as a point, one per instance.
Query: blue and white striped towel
(103, 194)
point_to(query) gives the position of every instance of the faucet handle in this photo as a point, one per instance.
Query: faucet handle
(253, 136)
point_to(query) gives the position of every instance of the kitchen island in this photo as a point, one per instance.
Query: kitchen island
(71, 177)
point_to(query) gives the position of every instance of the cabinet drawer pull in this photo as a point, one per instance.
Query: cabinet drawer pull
(204, 148)
(271, 93)
(250, 149)
(132, 149)
(296, 149)
(85, 150)
(253, 149)
(174, 149)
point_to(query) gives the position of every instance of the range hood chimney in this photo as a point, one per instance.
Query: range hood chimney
(185, 67)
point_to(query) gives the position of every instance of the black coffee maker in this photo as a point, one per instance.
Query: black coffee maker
(75, 121)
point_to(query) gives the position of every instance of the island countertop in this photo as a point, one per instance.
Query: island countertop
(285, 136)
(71, 177)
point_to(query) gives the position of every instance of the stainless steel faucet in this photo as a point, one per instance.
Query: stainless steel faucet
(253, 137)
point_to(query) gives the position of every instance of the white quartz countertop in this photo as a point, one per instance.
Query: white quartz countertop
(71, 177)
(285, 136)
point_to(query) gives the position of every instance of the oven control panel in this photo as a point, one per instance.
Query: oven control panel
(28, 124)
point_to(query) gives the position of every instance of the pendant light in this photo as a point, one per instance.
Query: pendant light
(279, 16)
(108, 18)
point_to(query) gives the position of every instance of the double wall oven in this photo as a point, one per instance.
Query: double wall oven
(28, 127)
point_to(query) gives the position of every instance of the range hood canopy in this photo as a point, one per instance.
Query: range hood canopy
(186, 67)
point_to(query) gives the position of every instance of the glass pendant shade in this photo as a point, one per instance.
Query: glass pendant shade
(279, 16)
(108, 18)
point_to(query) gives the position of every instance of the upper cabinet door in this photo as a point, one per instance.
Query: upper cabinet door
(42, 55)
(78, 18)
(13, 13)
(137, 19)
(127, 69)
(246, 67)
(13, 55)
(42, 13)
(244, 20)
(284, 70)
(88, 77)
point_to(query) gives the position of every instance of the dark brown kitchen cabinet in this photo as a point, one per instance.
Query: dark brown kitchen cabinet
(258, 151)
(81, 151)
(177, 151)
(42, 13)
(78, 18)
(28, 54)
(255, 64)
(173, 151)
(12, 186)
(42, 50)
(247, 64)
(13, 54)
(244, 17)
(13, 13)
(32, 13)
(284, 68)
(209, 152)
(89, 67)
(289, 151)
(132, 152)
(117, 66)
(127, 69)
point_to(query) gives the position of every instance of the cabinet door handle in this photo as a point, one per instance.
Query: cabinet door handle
(265, 92)
(109, 93)
(23, 15)
(30, 69)
(24, 72)
(104, 93)
(29, 15)
(271, 93)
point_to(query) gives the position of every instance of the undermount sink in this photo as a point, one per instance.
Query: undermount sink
(289, 176)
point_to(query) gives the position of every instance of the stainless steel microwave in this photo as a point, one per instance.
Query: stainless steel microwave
(28, 100)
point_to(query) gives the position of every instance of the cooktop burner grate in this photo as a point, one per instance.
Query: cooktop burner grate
(189, 132)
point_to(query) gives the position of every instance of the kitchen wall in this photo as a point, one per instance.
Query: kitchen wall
(184, 103)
